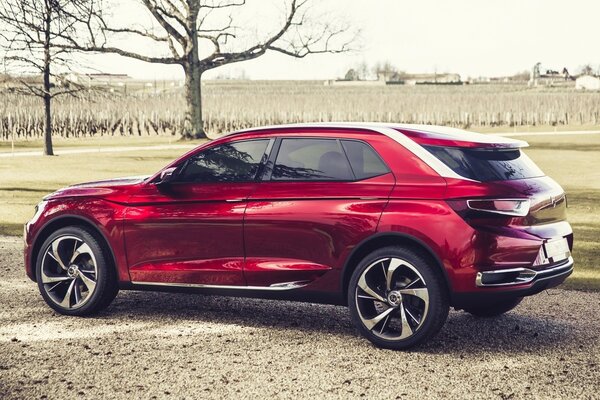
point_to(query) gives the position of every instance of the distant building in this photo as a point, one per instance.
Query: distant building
(390, 77)
(548, 77)
(431, 79)
(396, 78)
(98, 79)
(344, 82)
(587, 82)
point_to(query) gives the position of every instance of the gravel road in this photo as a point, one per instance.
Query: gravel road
(168, 346)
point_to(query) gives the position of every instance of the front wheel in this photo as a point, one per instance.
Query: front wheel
(397, 299)
(74, 273)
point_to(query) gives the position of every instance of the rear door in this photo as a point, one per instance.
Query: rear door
(191, 231)
(311, 208)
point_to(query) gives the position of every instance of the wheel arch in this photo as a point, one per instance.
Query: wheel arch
(384, 239)
(62, 222)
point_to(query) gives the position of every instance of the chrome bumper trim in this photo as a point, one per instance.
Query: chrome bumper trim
(520, 276)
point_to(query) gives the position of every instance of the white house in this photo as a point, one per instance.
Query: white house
(587, 82)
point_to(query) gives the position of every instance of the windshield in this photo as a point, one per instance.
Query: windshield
(487, 164)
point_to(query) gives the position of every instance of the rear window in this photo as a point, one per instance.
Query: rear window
(487, 164)
(364, 161)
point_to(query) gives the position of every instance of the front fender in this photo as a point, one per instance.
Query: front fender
(105, 217)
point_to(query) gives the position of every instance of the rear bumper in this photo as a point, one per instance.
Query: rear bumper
(520, 276)
(536, 281)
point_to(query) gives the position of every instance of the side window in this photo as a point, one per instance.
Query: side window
(231, 162)
(365, 162)
(311, 160)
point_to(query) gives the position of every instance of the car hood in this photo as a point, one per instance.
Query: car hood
(115, 189)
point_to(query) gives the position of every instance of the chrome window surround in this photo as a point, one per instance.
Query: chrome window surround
(386, 129)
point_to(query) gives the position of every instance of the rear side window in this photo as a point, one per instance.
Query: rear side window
(311, 160)
(231, 162)
(365, 162)
(487, 164)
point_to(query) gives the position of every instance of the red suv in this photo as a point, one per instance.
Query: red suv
(399, 222)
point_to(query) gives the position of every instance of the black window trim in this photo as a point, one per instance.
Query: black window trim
(268, 168)
(261, 164)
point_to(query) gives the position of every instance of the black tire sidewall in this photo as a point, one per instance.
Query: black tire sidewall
(104, 279)
(438, 297)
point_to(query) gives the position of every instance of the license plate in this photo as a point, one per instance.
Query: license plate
(557, 249)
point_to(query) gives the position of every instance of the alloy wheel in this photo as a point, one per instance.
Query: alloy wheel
(69, 272)
(392, 299)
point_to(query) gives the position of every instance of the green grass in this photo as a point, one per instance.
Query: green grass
(25, 180)
(573, 161)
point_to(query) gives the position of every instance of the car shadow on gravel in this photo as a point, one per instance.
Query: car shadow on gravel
(518, 332)
(514, 332)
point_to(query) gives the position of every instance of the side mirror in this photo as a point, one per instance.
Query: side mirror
(167, 176)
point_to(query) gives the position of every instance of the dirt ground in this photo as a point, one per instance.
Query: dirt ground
(169, 346)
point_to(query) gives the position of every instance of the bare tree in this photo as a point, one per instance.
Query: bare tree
(189, 28)
(351, 75)
(31, 33)
(362, 69)
(385, 70)
(587, 69)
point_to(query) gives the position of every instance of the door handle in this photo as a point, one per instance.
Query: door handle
(234, 200)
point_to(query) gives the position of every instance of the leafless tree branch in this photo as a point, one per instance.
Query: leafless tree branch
(223, 4)
(139, 32)
(159, 14)
(185, 29)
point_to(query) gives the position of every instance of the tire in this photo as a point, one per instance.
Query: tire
(415, 305)
(74, 272)
(495, 309)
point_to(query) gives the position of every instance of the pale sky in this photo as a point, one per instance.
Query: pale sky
(469, 37)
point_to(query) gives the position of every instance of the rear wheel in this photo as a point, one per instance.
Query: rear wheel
(495, 309)
(396, 299)
(74, 274)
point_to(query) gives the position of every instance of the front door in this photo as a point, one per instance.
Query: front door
(190, 231)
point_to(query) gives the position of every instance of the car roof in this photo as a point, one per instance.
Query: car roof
(433, 135)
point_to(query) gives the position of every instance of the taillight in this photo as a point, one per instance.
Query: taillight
(511, 207)
(489, 210)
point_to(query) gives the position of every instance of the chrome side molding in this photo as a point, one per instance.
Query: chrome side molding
(274, 287)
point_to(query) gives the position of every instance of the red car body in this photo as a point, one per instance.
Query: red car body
(301, 240)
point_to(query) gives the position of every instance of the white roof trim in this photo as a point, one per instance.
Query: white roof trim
(418, 150)
(467, 136)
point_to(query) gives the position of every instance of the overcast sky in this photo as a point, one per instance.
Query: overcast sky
(469, 37)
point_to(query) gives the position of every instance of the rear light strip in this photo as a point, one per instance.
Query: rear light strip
(512, 207)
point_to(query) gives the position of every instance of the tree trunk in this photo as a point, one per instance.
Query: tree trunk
(193, 123)
(48, 150)
(47, 96)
